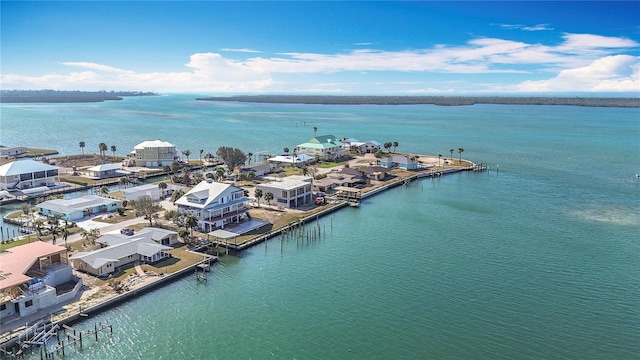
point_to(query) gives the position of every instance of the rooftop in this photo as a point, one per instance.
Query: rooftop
(24, 166)
(16, 261)
(152, 144)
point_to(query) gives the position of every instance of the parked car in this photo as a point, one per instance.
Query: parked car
(320, 201)
(126, 231)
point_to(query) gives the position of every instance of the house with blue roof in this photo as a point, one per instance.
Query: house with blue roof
(75, 209)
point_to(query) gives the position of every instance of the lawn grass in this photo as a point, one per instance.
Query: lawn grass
(116, 218)
(328, 164)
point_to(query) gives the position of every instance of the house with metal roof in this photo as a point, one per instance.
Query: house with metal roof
(27, 174)
(214, 204)
(398, 162)
(291, 160)
(74, 209)
(148, 245)
(150, 190)
(361, 147)
(29, 275)
(105, 171)
(290, 192)
(152, 153)
(12, 151)
(258, 169)
(327, 147)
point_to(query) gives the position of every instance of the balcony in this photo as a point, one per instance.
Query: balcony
(227, 215)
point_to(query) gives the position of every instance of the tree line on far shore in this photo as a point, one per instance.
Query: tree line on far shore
(64, 96)
(431, 100)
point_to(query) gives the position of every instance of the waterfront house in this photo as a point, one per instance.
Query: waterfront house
(74, 209)
(153, 153)
(150, 190)
(291, 160)
(290, 192)
(258, 169)
(336, 179)
(214, 204)
(398, 162)
(361, 147)
(34, 277)
(12, 151)
(148, 245)
(327, 147)
(105, 171)
(28, 174)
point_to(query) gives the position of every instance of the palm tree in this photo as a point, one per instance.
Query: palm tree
(258, 194)
(162, 186)
(177, 195)
(113, 151)
(439, 159)
(102, 147)
(295, 156)
(191, 222)
(124, 181)
(268, 197)
(315, 130)
(395, 145)
(104, 190)
(82, 145)
(460, 151)
(201, 151)
(388, 145)
(286, 150)
(186, 153)
(451, 157)
(249, 155)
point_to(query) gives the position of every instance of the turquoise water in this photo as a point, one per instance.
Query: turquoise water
(538, 261)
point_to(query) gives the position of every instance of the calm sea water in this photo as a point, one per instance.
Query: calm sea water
(538, 261)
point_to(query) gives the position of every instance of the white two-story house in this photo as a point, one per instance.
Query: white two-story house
(153, 153)
(290, 192)
(214, 204)
(27, 174)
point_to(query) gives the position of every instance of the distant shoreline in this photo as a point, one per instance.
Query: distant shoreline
(57, 96)
(430, 100)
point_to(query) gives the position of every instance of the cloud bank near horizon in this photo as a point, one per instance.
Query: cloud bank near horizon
(578, 63)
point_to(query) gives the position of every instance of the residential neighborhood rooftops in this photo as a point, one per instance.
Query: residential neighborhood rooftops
(16, 261)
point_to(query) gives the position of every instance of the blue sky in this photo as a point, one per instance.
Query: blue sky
(333, 48)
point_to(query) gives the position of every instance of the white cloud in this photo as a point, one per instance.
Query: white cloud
(581, 62)
(243, 50)
(538, 27)
(618, 73)
(95, 66)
